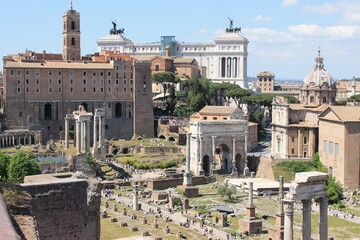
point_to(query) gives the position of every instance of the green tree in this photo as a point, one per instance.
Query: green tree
(164, 78)
(355, 98)
(197, 102)
(239, 95)
(4, 165)
(21, 165)
(334, 190)
(227, 190)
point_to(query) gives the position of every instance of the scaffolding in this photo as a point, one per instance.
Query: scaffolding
(168, 41)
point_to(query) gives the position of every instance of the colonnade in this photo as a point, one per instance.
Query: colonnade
(82, 130)
(10, 138)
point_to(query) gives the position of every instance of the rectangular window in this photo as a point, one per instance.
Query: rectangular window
(331, 148)
(18, 72)
(109, 74)
(292, 139)
(71, 81)
(109, 81)
(131, 89)
(116, 81)
(37, 89)
(84, 73)
(50, 81)
(292, 151)
(84, 89)
(124, 75)
(18, 81)
(12, 73)
(214, 118)
(71, 73)
(124, 89)
(325, 146)
(50, 73)
(117, 89)
(337, 149)
(124, 81)
(59, 90)
(101, 73)
(94, 81)
(37, 72)
(84, 81)
(27, 72)
(59, 81)
(27, 89)
(71, 89)
(109, 89)
(102, 89)
(50, 89)
(18, 89)
(102, 81)
(94, 74)
(305, 140)
(59, 73)
(94, 89)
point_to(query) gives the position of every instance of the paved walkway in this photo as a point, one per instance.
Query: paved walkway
(176, 217)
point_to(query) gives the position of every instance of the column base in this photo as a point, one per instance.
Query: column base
(187, 179)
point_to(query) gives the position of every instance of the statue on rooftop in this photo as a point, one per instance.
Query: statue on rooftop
(231, 28)
(115, 31)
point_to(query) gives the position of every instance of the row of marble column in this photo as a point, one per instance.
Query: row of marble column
(82, 131)
(13, 140)
(306, 224)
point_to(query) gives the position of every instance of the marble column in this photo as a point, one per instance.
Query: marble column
(19, 140)
(306, 223)
(95, 133)
(13, 140)
(87, 136)
(213, 160)
(251, 197)
(311, 143)
(82, 135)
(187, 175)
(100, 132)
(289, 219)
(234, 170)
(78, 136)
(29, 142)
(66, 133)
(323, 224)
(135, 199)
(286, 139)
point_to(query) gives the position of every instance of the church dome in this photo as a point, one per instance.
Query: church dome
(319, 75)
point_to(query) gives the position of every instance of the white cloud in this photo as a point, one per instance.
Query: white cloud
(202, 31)
(322, 9)
(338, 32)
(219, 32)
(260, 17)
(287, 3)
(267, 35)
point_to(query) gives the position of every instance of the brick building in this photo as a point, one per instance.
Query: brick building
(38, 92)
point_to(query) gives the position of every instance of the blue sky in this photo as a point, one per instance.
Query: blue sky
(284, 35)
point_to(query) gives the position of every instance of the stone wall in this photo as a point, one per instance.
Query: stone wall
(65, 209)
(159, 184)
(54, 167)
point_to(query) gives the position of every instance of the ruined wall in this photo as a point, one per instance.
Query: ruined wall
(160, 184)
(68, 209)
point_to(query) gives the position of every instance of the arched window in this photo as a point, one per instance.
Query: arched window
(48, 111)
(72, 25)
(228, 67)
(223, 64)
(118, 110)
(157, 67)
(73, 41)
(235, 67)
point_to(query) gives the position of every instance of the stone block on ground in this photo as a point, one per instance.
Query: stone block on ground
(134, 229)
(113, 219)
(189, 192)
(145, 234)
(123, 224)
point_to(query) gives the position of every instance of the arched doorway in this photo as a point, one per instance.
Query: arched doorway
(222, 156)
(171, 139)
(238, 163)
(118, 110)
(161, 137)
(206, 165)
(48, 111)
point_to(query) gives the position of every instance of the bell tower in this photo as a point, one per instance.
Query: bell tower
(71, 35)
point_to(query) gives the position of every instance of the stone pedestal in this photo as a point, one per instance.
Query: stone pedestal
(187, 179)
(189, 192)
(186, 204)
(250, 223)
(276, 232)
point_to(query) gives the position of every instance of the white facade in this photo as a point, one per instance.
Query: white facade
(225, 59)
